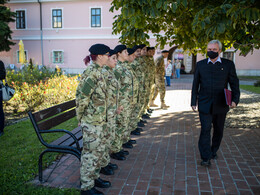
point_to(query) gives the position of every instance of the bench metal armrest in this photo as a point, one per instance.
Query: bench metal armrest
(64, 131)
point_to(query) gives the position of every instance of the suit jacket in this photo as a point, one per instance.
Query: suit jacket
(2, 71)
(209, 83)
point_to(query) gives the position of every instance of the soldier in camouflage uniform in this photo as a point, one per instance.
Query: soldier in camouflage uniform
(125, 98)
(128, 142)
(137, 67)
(150, 54)
(147, 86)
(159, 79)
(91, 109)
(113, 108)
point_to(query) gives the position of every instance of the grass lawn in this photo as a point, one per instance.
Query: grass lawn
(249, 77)
(251, 88)
(19, 152)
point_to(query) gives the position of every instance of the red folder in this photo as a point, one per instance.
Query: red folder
(228, 96)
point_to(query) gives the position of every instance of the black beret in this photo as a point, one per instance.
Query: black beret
(112, 52)
(165, 51)
(136, 47)
(130, 51)
(150, 48)
(99, 49)
(142, 46)
(119, 48)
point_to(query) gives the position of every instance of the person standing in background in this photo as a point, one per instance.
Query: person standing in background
(168, 73)
(159, 79)
(2, 116)
(178, 69)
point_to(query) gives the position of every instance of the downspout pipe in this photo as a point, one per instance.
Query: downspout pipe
(41, 31)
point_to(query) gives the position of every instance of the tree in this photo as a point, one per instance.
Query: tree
(189, 23)
(6, 16)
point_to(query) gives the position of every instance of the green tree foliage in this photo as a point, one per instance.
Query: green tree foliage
(189, 23)
(6, 16)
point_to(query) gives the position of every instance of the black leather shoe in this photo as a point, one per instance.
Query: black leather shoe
(140, 124)
(150, 111)
(139, 129)
(131, 141)
(113, 166)
(92, 191)
(100, 183)
(205, 163)
(135, 132)
(117, 156)
(107, 170)
(146, 116)
(127, 145)
(124, 152)
(214, 156)
(143, 121)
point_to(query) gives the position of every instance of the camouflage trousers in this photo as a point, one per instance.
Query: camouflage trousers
(159, 87)
(122, 123)
(151, 94)
(127, 133)
(92, 153)
(109, 138)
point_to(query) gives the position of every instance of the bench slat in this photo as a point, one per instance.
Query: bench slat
(46, 113)
(66, 137)
(48, 124)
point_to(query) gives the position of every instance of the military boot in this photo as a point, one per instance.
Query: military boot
(92, 191)
(153, 104)
(164, 106)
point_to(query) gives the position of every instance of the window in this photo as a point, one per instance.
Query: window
(95, 17)
(57, 57)
(18, 56)
(229, 55)
(56, 18)
(20, 19)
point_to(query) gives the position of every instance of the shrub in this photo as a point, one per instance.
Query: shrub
(257, 84)
(36, 90)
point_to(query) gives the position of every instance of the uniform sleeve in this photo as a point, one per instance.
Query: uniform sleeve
(83, 95)
(2, 71)
(234, 83)
(195, 87)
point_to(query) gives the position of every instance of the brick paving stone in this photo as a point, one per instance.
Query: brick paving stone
(166, 159)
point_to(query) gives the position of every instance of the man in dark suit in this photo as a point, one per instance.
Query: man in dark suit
(211, 76)
(2, 116)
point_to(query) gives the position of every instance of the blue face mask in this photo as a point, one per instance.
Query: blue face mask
(212, 54)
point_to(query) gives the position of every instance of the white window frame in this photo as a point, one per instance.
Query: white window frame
(25, 15)
(62, 18)
(62, 56)
(230, 51)
(101, 16)
(17, 56)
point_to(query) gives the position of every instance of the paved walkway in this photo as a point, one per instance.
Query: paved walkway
(166, 159)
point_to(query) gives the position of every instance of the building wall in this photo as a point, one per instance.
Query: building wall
(245, 65)
(76, 35)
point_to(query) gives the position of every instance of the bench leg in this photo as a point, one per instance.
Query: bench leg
(40, 164)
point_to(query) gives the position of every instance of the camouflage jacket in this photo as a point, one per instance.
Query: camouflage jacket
(91, 97)
(160, 67)
(112, 91)
(125, 79)
(135, 83)
(137, 66)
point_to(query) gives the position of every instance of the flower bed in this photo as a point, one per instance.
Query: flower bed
(36, 90)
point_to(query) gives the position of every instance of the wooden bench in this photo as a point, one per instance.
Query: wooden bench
(44, 120)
